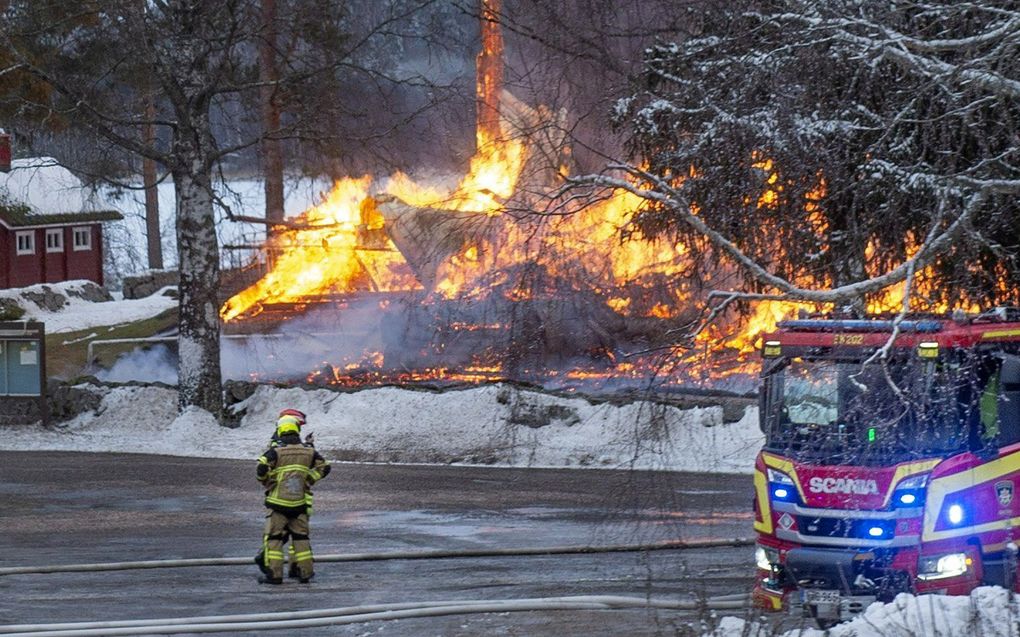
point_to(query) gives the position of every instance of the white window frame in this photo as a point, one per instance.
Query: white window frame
(24, 234)
(59, 234)
(81, 247)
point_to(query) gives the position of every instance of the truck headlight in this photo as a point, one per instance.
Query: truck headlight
(941, 566)
(765, 557)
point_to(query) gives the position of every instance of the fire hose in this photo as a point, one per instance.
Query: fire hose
(378, 612)
(385, 555)
(359, 614)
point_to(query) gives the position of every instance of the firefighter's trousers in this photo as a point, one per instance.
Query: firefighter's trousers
(280, 527)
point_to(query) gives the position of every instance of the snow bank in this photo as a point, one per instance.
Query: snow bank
(988, 612)
(78, 313)
(496, 425)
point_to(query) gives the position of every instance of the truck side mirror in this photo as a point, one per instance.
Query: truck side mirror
(1009, 400)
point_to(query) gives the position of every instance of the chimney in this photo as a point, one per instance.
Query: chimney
(5, 151)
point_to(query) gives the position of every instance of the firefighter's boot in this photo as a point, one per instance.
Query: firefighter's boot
(260, 561)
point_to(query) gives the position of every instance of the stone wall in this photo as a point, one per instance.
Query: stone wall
(148, 283)
(16, 411)
(63, 401)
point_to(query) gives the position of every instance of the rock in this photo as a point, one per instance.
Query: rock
(68, 401)
(10, 310)
(531, 414)
(91, 292)
(16, 411)
(148, 283)
(535, 416)
(47, 299)
(234, 393)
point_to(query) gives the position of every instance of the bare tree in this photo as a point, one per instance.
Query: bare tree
(203, 58)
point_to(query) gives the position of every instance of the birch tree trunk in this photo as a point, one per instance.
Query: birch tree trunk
(199, 376)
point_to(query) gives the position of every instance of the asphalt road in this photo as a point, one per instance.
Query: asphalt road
(63, 508)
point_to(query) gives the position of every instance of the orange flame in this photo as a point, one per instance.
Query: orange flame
(491, 180)
(325, 254)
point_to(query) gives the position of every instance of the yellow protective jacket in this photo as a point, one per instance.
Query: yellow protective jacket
(288, 472)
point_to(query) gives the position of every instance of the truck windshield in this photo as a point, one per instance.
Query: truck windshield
(846, 412)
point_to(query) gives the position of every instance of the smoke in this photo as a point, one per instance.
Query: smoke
(150, 364)
(568, 342)
(311, 344)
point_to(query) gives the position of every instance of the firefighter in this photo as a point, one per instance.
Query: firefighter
(288, 470)
(274, 441)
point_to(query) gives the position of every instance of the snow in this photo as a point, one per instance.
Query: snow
(987, 611)
(494, 424)
(79, 314)
(45, 186)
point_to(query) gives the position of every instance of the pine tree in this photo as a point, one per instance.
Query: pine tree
(828, 142)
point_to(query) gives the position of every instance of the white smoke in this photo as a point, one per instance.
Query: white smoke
(314, 342)
(145, 364)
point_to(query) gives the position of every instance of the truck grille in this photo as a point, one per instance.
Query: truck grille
(848, 528)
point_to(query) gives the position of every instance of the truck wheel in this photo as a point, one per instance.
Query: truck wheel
(826, 624)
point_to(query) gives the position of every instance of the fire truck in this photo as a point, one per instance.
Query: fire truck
(891, 460)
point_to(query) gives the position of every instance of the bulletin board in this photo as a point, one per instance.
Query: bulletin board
(23, 362)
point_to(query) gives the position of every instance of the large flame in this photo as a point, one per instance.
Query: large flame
(491, 180)
(324, 254)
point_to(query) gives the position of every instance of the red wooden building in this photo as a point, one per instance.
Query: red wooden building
(49, 232)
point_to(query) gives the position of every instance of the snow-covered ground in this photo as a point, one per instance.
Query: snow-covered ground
(987, 612)
(495, 424)
(80, 314)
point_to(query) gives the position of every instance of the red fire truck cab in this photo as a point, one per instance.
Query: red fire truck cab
(891, 460)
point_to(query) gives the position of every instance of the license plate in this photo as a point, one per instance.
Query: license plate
(820, 597)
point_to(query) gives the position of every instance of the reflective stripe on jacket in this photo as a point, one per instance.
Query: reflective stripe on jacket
(288, 471)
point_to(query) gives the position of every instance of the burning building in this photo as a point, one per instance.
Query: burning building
(491, 278)
(494, 277)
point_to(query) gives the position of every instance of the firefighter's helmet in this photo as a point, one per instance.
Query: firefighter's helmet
(298, 415)
(287, 425)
